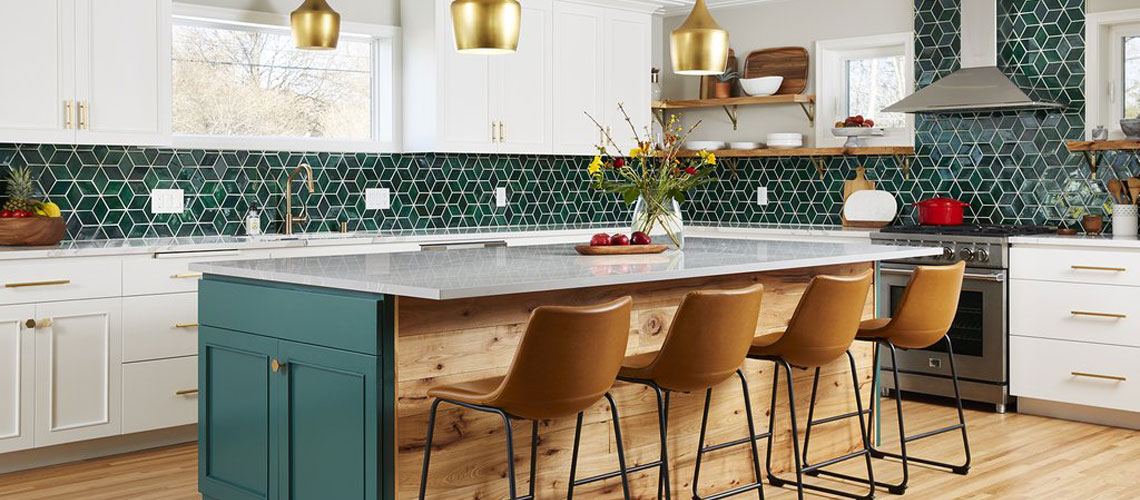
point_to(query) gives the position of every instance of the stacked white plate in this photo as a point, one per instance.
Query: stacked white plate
(704, 145)
(785, 141)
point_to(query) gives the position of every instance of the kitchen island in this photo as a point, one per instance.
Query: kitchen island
(314, 371)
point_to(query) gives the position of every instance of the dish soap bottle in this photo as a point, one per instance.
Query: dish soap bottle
(253, 223)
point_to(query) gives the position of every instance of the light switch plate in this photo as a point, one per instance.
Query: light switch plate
(377, 199)
(762, 196)
(166, 201)
(501, 197)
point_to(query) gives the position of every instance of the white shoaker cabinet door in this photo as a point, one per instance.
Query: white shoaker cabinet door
(17, 379)
(521, 85)
(78, 370)
(628, 63)
(38, 43)
(123, 71)
(579, 68)
(465, 119)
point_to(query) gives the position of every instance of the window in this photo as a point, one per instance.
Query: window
(861, 76)
(239, 82)
(1113, 65)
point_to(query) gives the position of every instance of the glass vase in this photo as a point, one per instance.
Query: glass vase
(661, 219)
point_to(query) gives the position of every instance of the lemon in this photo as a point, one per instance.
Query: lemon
(48, 209)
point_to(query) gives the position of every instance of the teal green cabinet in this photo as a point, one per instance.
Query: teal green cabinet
(281, 419)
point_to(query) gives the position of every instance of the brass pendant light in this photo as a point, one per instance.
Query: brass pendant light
(700, 46)
(316, 26)
(486, 26)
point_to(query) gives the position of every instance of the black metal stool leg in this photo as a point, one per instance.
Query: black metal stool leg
(510, 454)
(772, 479)
(427, 449)
(750, 440)
(701, 443)
(663, 418)
(533, 454)
(752, 432)
(772, 422)
(620, 446)
(574, 457)
(965, 467)
(811, 414)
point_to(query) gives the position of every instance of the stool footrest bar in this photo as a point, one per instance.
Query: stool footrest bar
(935, 432)
(829, 420)
(617, 473)
(775, 481)
(893, 489)
(836, 460)
(732, 492)
(738, 442)
(957, 469)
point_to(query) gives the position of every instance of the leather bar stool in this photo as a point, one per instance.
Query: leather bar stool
(707, 341)
(821, 331)
(567, 361)
(923, 318)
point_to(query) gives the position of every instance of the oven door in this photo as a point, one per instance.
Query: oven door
(979, 331)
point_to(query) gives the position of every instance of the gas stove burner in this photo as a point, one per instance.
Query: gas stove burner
(971, 230)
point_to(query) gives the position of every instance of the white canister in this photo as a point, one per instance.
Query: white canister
(1124, 220)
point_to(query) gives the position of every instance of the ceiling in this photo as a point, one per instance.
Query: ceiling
(681, 7)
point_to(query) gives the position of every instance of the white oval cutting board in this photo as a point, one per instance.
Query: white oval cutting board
(871, 207)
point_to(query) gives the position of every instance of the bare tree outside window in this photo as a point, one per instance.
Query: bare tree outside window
(1132, 77)
(239, 82)
(874, 84)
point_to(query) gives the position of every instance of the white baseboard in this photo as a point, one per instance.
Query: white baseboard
(84, 450)
(1080, 413)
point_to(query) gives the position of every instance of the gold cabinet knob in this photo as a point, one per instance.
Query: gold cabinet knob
(31, 323)
(277, 366)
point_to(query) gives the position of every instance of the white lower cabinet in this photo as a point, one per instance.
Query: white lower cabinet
(159, 394)
(160, 326)
(17, 378)
(78, 370)
(1104, 376)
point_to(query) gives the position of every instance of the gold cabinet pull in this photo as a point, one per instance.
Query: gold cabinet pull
(1102, 377)
(186, 392)
(277, 366)
(186, 325)
(1098, 268)
(37, 283)
(502, 132)
(84, 119)
(67, 114)
(184, 276)
(1098, 315)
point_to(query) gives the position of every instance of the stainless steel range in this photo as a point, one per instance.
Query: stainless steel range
(980, 332)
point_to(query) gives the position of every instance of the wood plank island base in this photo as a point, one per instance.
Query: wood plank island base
(344, 349)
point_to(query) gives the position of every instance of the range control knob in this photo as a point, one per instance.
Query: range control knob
(967, 254)
(947, 253)
(983, 255)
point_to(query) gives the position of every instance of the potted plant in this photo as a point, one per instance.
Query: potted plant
(654, 177)
(722, 89)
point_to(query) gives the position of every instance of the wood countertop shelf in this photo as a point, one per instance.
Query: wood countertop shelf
(1093, 149)
(732, 104)
(817, 156)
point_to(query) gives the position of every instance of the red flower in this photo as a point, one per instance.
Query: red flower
(618, 163)
(691, 171)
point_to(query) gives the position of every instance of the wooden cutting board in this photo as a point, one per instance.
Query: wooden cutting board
(620, 250)
(788, 62)
(850, 187)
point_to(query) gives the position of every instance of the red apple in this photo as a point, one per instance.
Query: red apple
(4, 214)
(19, 214)
(600, 240)
(619, 240)
(640, 238)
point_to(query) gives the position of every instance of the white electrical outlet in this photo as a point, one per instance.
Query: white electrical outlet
(501, 197)
(762, 196)
(377, 199)
(166, 201)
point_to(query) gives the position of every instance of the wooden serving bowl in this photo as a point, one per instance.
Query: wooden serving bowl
(32, 231)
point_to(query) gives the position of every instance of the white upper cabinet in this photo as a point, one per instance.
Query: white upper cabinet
(93, 71)
(532, 101)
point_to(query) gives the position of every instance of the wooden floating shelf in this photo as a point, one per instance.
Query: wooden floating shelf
(731, 105)
(902, 154)
(1092, 150)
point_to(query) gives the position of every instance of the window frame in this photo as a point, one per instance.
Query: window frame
(831, 58)
(386, 102)
(1104, 81)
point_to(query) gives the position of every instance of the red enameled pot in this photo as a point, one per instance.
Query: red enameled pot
(941, 212)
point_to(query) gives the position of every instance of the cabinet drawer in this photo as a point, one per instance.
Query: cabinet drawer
(1086, 265)
(1077, 312)
(49, 280)
(170, 272)
(160, 326)
(159, 394)
(1069, 372)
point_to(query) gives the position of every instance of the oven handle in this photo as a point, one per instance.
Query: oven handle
(998, 277)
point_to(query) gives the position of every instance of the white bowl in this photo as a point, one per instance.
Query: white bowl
(762, 86)
(745, 145)
(785, 137)
(704, 145)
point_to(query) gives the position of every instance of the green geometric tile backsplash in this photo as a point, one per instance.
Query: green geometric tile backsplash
(1011, 167)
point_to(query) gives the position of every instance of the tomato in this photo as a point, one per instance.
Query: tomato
(19, 214)
(4, 214)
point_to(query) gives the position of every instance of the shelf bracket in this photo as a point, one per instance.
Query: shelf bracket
(904, 160)
(1092, 158)
(732, 115)
(818, 163)
(809, 110)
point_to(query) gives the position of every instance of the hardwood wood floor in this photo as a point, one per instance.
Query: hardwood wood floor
(1015, 457)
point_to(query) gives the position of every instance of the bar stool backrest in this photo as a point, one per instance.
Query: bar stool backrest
(708, 339)
(567, 360)
(928, 306)
(826, 320)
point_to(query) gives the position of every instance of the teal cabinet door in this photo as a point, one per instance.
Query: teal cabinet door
(236, 427)
(328, 444)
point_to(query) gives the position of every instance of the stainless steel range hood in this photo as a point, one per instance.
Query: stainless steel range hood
(979, 85)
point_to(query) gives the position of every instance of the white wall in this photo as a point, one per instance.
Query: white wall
(385, 12)
(778, 24)
(1107, 5)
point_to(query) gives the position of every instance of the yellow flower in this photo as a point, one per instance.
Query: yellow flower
(635, 152)
(710, 159)
(596, 165)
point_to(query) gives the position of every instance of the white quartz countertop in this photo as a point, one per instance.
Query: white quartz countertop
(1106, 241)
(501, 271)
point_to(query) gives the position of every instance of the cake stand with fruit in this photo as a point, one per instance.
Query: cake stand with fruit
(855, 128)
(620, 244)
(25, 221)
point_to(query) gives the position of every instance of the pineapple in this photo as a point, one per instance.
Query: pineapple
(21, 187)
